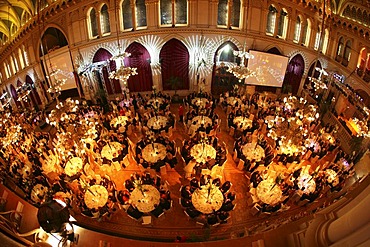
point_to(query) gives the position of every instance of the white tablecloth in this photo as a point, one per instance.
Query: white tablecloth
(73, 166)
(157, 122)
(157, 101)
(201, 151)
(268, 193)
(306, 183)
(242, 123)
(155, 154)
(96, 196)
(332, 177)
(253, 152)
(111, 151)
(145, 198)
(38, 191)
(201, 102)
(206, 201)
(199, 120)
(233, 100)
(119, 120)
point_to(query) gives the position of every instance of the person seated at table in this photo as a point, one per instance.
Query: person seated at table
(231, 196)
(147, 179)
(208, 128)
(123, 197)
(255, 179)
(129, 185)
(171, 159)
(165, 203)
(185, 192)
(212, 219)
(225, 187)
(227, 206)
(222, 215)
(204, 179)
(216, 182)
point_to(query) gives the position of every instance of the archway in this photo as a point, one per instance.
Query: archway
(34, 95)
(102, 75)
(365, 96)
(19, 90)
(140, 59)
(312, 72)
(222, 80)
(174, 59)
(15, 96)
(293, 75)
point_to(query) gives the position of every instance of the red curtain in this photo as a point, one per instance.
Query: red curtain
(34, 94)
(294, 73)
(116, 85)
(15, 96)
(140, 59)
(174, 59)
(100, 56)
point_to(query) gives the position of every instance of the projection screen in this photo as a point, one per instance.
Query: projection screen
(269, 69)
(61, 60)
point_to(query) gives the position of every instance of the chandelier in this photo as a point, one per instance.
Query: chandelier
(240, 71)
(57, 83)
(318, 83)
(23, 91)
(123, 73)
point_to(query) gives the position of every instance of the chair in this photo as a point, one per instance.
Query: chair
(235, 156)
(241, 165)
(134, 213)
(157, 212)
(129, 129)
(170, 131)
(163, 170)
(255, 209)
(200, 223)
(232, 131)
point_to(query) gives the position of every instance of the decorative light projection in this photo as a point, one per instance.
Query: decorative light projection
(153, 44)
(201, 55)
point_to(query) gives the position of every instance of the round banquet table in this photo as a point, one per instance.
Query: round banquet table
(288, 148)
(155, 154)
(328, 137)
(157, 123)
(145, 198)
(268, 192)
(51, 164)
(73, 166)
(233, 100)
(199, 120)
(201, 102)
(253, 152)
(242, 123)
(38, 192)
(306, 183)
(156, 101)
(201, 151)
(207, 202)
(110, 151)
(331, 177)
(96, 196)
(122, 120)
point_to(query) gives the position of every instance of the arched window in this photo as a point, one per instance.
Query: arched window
(222, 13)
(340, 49)
(25, 17)
(15, 63)
(283, 24)
(92, 23)
(317, 38)
(347, 12)
(271, 20)
(25, 56)
(359, 15)
(13, 29)
(104, 20)
(6, 69)
(173, 14)
(229, 13)
(353, 13)
(307, 33)
(347, 53)
(361, 62)
(20, 55)
(364, 18)
(126, 15)
(13, 71)
(325, 41)
(140, 14)
(297, 29)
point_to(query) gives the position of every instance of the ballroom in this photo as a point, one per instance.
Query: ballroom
(184, 123)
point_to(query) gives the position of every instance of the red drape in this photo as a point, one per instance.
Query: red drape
(140, 59)
(174, 58)
(104, 55)
(294, 73)
(15, 96)
(34, 94)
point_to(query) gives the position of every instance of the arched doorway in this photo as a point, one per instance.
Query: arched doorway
(365, 96)
(140, 59)
(15, 96)
(174, 59)
(20, 89)
(102, 75)
(293, 75)
(222, 80)
(309, 85)
(34, 95)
